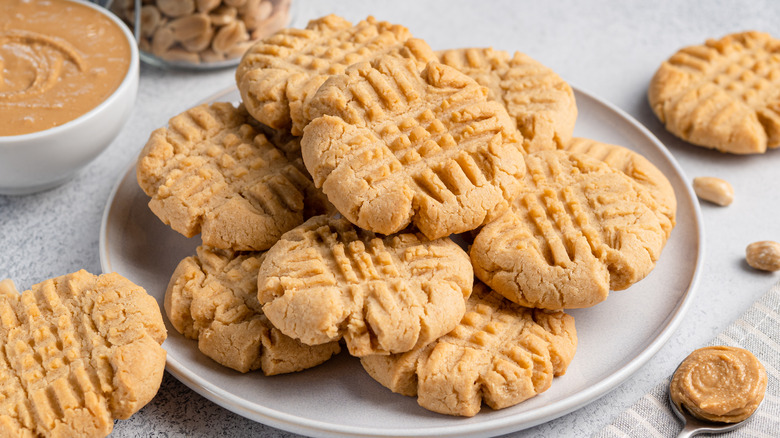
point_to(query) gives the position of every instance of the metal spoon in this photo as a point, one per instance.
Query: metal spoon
(693, 426)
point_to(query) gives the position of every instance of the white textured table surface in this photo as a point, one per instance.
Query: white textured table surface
(609, 48)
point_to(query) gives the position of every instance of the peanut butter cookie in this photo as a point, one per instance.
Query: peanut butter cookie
(212, 297)
(326, 280)
(638, 168)
(541, 103)
(212, 171)
(723, 94)
(315, 202)
(500, 353)
(392, 145)
(278, 74)
(78, 352)
(578, 228)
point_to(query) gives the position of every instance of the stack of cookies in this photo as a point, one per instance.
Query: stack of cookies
(335, 202)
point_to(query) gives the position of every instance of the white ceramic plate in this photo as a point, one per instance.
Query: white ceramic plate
(338, 398)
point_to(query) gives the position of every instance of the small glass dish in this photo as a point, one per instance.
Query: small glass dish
(199, 34)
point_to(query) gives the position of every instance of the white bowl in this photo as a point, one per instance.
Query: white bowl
(42, 160)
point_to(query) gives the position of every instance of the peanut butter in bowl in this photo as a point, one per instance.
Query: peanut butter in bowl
(720, 383)
(59, 59)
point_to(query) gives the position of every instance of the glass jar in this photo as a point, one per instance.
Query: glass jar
(200, 33)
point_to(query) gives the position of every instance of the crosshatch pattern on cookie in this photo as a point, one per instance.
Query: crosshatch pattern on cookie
(542, 104)
(500, 353)
(212, 297)
(278, 74)
(315, 202)
(724, 94)
(328, 279)
(212, 172)
(78, 352)
(638, 168)
(577, 230)
(391, 144)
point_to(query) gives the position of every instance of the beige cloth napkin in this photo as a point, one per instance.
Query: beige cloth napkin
(757, 330)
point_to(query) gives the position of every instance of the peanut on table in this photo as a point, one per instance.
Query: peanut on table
(715, 190)
(763, 255)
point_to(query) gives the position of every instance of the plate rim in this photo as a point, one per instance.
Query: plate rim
(297, 424)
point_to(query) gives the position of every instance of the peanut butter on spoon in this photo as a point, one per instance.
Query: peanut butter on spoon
(715, 389)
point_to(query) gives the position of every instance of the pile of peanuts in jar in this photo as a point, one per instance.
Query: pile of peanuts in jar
(200, 32)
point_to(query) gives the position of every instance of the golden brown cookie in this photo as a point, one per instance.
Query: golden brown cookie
(578, 228)
(78, 352)
(212, 297)
(500, 353)
(316, 203)
(278, 74)
(212, 171)
(541, 103)
(637, 167)
(392, 145)
(327, 279)
(723, 94)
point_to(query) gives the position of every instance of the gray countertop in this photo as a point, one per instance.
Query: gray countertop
(609, 48)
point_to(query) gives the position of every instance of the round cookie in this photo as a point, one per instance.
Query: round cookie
(212, 171)
(541, 103)
(723, 94)
(578, 229)
(327, 279)
(636, 167)
(500, 353)
(278, 74)
(212, 297)
(79, 351)
(392, 145)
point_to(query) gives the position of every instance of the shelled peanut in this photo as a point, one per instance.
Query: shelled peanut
(203, 31)
(715, 190)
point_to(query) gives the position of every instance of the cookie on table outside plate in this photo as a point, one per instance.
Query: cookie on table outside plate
(278, 74)
(578, 229)
(541, 103)
(212, 297)
(500, 353)
(79, 351)
(212, 171)
(327, 279)
(723, 94)
(637, 167)
(391, 145)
